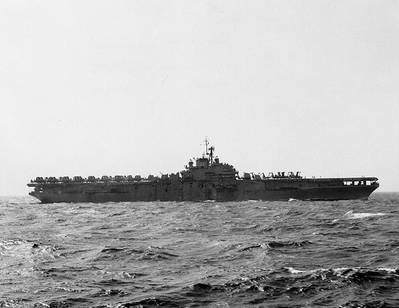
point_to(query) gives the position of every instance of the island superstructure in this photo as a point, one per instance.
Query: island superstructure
(205, 179)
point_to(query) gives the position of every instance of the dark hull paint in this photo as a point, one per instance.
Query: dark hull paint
(239, 191)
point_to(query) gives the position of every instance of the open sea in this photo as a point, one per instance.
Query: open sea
(191, 254)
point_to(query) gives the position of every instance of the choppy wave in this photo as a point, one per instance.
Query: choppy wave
(17, 249)
(278, 245)
(178, 254)
(277, 287)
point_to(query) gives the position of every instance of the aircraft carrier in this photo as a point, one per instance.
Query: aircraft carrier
(205, 178)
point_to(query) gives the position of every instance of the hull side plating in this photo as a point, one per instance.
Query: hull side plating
(240, 191)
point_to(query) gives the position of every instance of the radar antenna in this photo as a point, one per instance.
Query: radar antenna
(208, 151)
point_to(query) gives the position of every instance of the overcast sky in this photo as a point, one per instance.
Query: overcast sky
(133, 87)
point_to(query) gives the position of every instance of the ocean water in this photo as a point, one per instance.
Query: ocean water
(210, 254)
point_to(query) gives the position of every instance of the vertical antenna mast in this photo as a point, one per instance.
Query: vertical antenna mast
(206, 145)
(209, 151)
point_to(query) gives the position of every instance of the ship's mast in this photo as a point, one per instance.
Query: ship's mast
(206, 142)
(209, 152)
(211, 149)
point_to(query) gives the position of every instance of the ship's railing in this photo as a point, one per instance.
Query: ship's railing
(271, 175)
(105, 179)
(365, 181)
(290, 176)
(93, 179)
(347, 181)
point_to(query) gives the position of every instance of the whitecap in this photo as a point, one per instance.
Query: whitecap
(317, 270)
(295, 271)
(387, 269)
(351, 215)
(340, 270)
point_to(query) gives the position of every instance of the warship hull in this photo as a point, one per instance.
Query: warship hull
(272, 190)
(208, 179)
